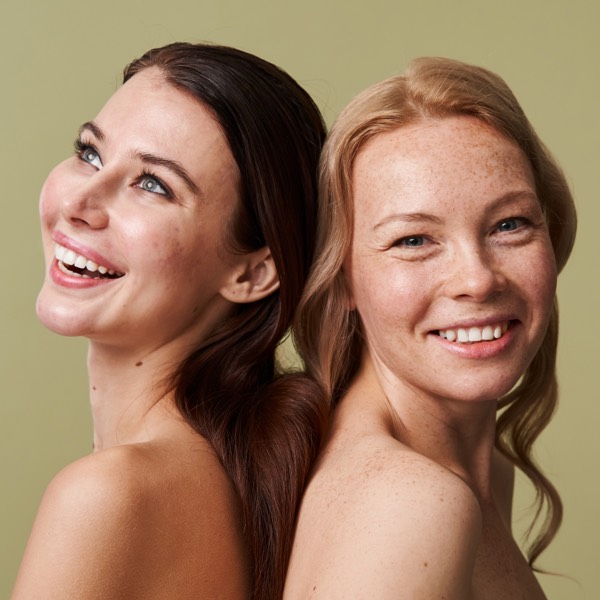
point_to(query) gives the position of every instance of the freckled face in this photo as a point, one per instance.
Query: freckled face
(451, 267)
(148, 196)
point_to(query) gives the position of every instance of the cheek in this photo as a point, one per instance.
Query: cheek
(546, 279)
(387, 296)
(538, 277)
(49, 197)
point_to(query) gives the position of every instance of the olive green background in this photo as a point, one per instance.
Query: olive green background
(61, 60)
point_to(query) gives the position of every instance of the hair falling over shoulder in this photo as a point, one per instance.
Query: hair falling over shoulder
(265, 427)
(329, 334)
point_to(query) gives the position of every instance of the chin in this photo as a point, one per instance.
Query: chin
(476, 391)
(57, 318)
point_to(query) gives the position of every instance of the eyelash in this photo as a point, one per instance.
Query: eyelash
(424, 241)
(81, 147)
(402, 242)
(520, 223)
(146, 173)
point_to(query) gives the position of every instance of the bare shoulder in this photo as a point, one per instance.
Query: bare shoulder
(384, 522)
(139, 521)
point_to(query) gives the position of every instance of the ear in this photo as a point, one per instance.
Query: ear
(253, 277)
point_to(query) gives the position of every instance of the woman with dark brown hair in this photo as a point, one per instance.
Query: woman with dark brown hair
(430, 318)
(177, 240)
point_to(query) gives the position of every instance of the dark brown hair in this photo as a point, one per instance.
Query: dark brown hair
(265, 427)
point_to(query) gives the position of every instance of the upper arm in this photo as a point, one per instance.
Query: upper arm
(408, 535)
(76, 547)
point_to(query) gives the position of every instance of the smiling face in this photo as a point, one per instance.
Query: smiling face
(134, 225)
(451, 267)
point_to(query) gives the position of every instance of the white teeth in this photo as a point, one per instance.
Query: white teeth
(68, 257)
(487, 333)
(474, 334)
(59, 252)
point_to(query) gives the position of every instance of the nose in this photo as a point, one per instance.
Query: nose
(87, 205)
(475, 274)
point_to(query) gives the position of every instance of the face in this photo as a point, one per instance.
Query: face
(134, 225)
(451, 267)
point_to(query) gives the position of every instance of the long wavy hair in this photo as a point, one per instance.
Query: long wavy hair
(329, 334)
(265, 427)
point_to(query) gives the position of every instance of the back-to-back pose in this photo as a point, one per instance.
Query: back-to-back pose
(430, 317)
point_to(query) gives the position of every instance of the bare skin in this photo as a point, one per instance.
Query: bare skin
(452, 273)
(382, 521)
(151, 513)
(153, 517)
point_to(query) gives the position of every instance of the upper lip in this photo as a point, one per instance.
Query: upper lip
(79, 248)
(478, 322)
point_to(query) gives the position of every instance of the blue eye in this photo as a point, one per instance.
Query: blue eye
(89, 154)
(510, 224)
(149, 183)
(413, 241)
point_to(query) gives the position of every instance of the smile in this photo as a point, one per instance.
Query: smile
(71, 263)
(471, 335)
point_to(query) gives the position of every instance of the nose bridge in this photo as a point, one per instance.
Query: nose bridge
(476, 272)
(87, 204)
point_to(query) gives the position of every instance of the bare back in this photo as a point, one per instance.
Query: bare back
(158, 519)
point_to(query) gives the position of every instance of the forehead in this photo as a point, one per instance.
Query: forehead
(456, 157)
(149, 115)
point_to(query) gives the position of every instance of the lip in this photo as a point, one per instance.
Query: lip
(479, 322)
(79, 248)
(482, 349)
(73, 281)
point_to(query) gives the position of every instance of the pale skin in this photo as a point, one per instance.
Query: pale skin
(410, 500)
(151, 512)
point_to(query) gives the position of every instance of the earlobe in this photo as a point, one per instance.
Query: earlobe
(254, 278)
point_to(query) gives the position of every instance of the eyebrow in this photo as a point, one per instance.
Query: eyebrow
(91, 126)
(409, 218)
(149, 158)
(420, 217)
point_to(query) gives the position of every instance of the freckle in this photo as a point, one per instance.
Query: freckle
(425, 564)
(139, 363)
(94, 387)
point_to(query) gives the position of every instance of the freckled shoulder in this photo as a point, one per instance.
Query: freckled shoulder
(136, 522)
(380, 521)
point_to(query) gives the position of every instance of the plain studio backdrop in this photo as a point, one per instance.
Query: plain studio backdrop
(61, 61)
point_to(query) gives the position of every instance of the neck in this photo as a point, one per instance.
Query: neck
(127, 392)
(458, 435)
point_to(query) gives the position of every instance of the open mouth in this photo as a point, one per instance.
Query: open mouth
(472, 335)
(71, 263)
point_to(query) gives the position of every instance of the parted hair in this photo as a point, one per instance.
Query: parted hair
(329, 334)
(265, 426)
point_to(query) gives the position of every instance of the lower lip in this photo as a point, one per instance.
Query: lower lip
(74, 281)
(479, 350)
